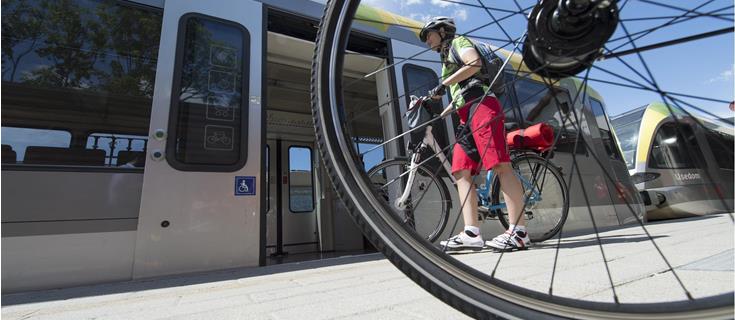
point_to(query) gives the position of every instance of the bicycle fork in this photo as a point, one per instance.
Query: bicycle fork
(403, 201)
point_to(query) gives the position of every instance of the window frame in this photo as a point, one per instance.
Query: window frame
(175, 107)
(311, 165)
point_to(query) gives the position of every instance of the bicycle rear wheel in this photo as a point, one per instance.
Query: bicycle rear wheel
(427, 208)
(547, 213)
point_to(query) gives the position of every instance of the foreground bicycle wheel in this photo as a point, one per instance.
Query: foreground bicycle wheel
(545, 215)
(480, 285)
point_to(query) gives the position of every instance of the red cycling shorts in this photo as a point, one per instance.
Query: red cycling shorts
(488, 130)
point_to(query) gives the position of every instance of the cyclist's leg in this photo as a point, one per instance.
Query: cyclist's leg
(512, 193)
(469, 238)
(489, 133)
(463, 168)
(468, 197)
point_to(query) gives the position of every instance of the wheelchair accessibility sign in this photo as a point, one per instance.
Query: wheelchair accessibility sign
(244, 186)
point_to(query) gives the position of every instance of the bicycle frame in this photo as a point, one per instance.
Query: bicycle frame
(428, 141)
(483, 192)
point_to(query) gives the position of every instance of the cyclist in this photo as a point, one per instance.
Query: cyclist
(488, 132)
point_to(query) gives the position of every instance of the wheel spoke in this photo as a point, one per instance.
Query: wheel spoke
(682, 9)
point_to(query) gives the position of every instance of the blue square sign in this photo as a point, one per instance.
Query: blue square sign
(244, 186)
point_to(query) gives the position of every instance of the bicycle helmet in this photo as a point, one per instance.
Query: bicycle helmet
(436, 23)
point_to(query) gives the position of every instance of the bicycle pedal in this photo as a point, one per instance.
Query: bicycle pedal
(483, 213)
(529, 215)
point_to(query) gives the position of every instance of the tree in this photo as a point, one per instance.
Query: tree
(22, 31)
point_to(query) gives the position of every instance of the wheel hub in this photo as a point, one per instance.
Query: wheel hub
(565, 36)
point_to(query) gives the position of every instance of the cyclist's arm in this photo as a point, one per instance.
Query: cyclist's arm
(472, 63)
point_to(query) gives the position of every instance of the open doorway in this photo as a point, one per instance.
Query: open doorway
(305, 219)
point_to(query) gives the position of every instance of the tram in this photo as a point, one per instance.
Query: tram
(148, 138)
(682, 162)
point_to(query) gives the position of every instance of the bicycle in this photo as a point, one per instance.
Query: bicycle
(535, 173)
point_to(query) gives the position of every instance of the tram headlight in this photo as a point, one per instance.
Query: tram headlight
(642, 177)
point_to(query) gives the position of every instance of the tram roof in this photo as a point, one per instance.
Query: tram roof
(653, 113)
(382, 23)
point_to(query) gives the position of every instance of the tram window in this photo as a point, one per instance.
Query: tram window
(300, 180)
(210, 113)
(81, 65)
(124, 151)
(539, 104)
(608, 140)
(16, 141)
(418, 81)
(627, 128)
(671, 150)
(370, 158)
(505, 100)
(722, 147)
(628, 139)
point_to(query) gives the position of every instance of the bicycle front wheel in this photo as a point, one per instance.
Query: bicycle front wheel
(599, 274)
(427, 202)
(545, 196)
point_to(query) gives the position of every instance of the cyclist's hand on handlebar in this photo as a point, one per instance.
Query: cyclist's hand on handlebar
(448, 110)
(437, 92)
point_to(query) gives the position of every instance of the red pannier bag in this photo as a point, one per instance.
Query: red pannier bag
(538, 137)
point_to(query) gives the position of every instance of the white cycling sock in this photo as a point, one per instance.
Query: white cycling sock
(514, 228)
(473, 229)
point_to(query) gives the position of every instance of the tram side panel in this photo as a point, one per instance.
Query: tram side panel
(74, 135)
(534, 103)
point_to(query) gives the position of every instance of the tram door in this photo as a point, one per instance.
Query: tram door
(200, 203)
(292, 202)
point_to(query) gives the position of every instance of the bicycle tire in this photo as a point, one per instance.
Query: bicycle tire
(445, 198)
(532, 229)
(460, 286)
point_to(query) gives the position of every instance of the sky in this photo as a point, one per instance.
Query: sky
(702, 68)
